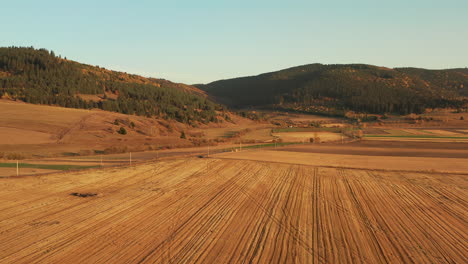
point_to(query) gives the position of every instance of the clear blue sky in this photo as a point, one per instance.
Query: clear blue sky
(205, 40)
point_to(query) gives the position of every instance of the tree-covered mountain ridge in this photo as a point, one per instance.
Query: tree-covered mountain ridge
(38, 76)
(335, 89)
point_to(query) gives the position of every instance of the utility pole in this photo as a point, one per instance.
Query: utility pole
(101, 160)
(208, 151)
(17, 168)
(130, 158)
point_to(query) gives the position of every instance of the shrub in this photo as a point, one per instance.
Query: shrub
(12, 156)
(462, 118)
(122, 131)
(182, 135)
(316, 124)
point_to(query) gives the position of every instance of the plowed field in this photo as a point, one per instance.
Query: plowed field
(234, 211)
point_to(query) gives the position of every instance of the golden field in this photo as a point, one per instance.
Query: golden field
(238, 207)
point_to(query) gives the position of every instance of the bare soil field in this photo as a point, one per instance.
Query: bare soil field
(414, 149)
(385, 163)
(411, 145)
(232, 211)
(422, 134)
(419, 139)
(306, 136)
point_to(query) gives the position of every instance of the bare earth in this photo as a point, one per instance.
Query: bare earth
(452, 165)
(306, 136)
(394, 149)
(235, 211)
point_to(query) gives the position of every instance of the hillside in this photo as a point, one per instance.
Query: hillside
(41, 77)
(334, 89)
(30, 130)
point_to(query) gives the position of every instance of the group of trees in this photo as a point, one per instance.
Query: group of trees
(40, 77)
(338, 88)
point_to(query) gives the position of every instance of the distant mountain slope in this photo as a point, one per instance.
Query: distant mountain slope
(40, 77)
(333, 89)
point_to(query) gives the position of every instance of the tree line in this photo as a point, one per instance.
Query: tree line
(38, 76)
(335, 89)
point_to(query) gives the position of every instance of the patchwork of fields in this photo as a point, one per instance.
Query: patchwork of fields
(234, 211)
(398, 196)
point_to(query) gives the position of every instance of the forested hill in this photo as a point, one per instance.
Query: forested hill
(41, 77)
(334, 89)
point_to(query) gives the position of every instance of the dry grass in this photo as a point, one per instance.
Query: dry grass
(52, 131)
(15, 136)
(259, 135)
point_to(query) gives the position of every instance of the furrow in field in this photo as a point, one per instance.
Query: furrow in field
(235, 211)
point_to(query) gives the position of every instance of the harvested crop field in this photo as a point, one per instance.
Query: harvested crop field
(418, 138)
(416, 134)
(233, 211)
(306, 136)
(445, 132)
(386, 148)
(352, 161)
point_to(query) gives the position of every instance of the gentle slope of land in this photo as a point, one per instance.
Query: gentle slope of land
(43, 131)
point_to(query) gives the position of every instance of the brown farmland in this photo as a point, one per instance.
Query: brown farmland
(234, 211)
